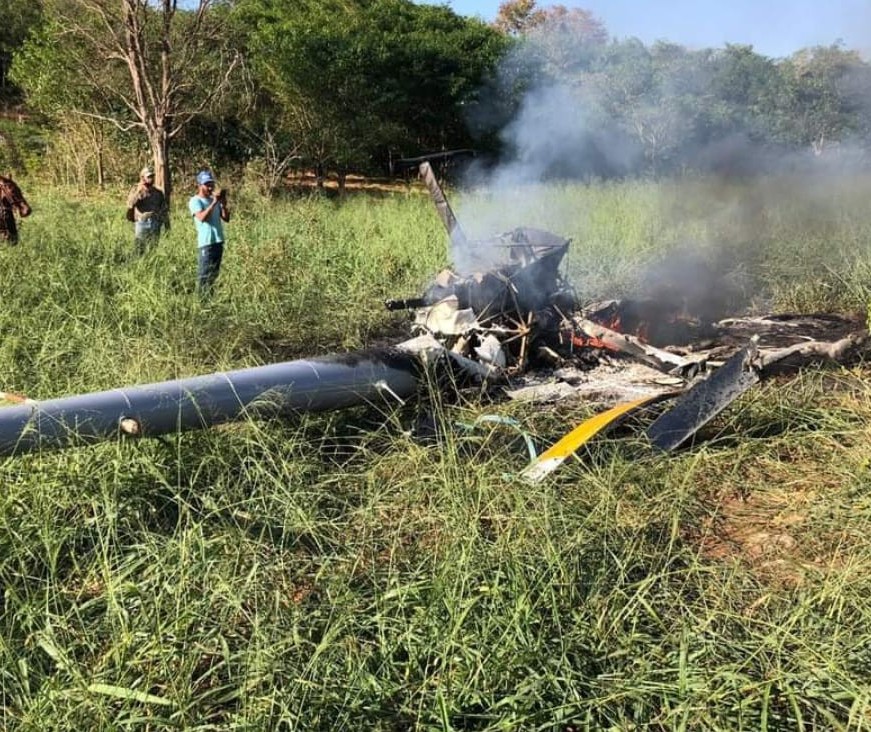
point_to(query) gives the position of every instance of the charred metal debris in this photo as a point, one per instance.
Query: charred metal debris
(515, 326)
(520, 324)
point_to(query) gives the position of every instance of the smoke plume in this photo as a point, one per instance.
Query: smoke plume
(576, 124)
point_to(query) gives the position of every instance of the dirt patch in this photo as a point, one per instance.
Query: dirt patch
(790, 515)
(763, 531)
(330, 185)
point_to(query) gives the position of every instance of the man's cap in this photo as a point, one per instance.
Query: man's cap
(203, 177)
(147, 172)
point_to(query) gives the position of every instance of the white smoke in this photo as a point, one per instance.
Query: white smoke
(583, 130)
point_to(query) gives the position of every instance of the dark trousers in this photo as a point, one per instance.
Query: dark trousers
(8, 227)
(208, 265)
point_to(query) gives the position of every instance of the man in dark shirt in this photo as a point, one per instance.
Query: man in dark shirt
(11, 200)
(146, 208)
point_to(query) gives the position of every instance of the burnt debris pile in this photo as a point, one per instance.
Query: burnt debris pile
(517, 315)
(519, 321)
(503, 316)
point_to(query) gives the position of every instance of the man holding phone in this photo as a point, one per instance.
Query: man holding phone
(209, 211)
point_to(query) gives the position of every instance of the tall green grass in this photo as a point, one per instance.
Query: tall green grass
(333, 572)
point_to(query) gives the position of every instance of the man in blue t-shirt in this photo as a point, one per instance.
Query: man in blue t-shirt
(209, 210)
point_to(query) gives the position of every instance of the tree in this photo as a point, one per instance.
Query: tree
(565, 40)
(518, 17)
(136, 64)
(355, 79)
(828, 88)
(19, 17)
(311, 62)
(49, 81)
(578, 23)
(569, 41)
(746, 90)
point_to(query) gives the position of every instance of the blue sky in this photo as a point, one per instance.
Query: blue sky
(773, 27)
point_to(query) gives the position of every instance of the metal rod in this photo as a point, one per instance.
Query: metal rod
(445, 212)
(204, 401)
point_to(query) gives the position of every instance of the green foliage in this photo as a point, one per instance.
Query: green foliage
(289, 276)
(354, 80)
(746, 89)
(827, 95)
(20, 17)
(64, 72)
(354, 84)
(729, 108)
(22, 144)
(128, 65)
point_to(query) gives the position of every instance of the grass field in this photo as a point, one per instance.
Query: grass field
(330, 572)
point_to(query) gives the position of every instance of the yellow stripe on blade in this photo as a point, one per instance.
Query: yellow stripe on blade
(552, 458)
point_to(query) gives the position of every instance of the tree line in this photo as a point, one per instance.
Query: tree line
(274, 86)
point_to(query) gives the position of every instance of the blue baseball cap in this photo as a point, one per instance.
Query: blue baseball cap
(203, 177)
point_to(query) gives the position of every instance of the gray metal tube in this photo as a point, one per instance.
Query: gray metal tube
(204, 401)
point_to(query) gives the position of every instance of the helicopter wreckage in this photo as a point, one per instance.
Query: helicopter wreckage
(516, 326)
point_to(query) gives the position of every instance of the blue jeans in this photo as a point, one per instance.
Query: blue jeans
(208, 265)
(145, 234)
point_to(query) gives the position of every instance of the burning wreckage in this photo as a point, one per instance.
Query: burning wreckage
(517, 327)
